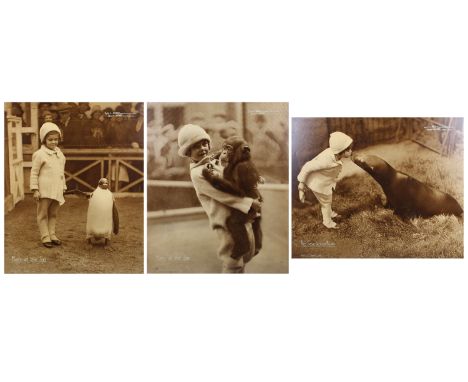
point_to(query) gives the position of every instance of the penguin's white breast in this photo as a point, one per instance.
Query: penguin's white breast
(99, 219)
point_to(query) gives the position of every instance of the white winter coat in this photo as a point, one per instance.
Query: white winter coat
(48, 173)
(321, 173)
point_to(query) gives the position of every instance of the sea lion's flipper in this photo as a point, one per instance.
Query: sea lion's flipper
(115, 219)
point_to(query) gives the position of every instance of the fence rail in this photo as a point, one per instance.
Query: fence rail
(176, 211)
(189, 184)
(109, 163)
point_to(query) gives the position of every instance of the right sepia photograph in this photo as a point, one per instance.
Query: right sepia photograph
(377, 187)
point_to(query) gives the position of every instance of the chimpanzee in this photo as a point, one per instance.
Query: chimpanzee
(240, 177)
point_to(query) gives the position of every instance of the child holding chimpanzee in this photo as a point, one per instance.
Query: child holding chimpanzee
(194, 143)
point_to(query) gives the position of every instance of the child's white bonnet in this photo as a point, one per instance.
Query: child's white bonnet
(188, 135)
(339, 141)
(46, 128)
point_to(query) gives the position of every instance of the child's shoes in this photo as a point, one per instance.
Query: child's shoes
(335, 215)
(331, 225)
(55, 240)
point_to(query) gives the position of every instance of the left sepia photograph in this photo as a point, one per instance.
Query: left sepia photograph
(73, 187)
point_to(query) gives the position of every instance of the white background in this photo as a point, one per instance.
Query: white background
(328, 320)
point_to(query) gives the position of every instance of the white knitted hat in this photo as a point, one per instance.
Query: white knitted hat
(339, 141)
(188, 135)
(46, 128)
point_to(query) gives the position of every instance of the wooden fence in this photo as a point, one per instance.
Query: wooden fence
(103, 163)
(371, 131)
(170, 198)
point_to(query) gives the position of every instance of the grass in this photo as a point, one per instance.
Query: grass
(367, 229)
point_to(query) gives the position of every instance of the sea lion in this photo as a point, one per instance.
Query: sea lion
(405, 195)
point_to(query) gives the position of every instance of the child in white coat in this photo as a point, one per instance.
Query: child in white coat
(47, 182)
(194, 143)
(321, 174)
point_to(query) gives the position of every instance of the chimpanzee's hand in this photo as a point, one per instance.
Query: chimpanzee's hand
(256, 205)
(208, 170)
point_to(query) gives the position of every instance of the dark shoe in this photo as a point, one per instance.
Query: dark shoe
(47, 244)
(56, 242)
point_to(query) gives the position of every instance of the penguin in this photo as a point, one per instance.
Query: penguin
(103, 217)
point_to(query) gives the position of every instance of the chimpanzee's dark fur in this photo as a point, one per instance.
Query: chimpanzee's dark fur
(240, 177)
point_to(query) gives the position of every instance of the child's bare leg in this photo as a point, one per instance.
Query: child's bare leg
(42, 218)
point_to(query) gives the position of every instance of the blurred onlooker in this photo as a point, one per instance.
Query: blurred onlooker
(63, 121)
(176, 164)
(47, 116)
(136, 128)
(118, 136)
(107, 115)
(118, 128)
(44, 106)
(83, 107)
(163, 160)
(44, 109)
(96, 127)
(266, 148)
(230, 129)
(17, 111)
(198, 119)
(75, 124)
(126, 107)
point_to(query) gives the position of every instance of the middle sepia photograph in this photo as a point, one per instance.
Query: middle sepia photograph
(217, 189)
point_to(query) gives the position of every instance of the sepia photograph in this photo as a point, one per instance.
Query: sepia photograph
(73, 186)
(377, 187)
(217, 189)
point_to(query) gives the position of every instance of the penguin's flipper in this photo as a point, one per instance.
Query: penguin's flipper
(115, 219)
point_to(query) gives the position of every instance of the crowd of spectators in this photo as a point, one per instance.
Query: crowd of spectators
(96, 126)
